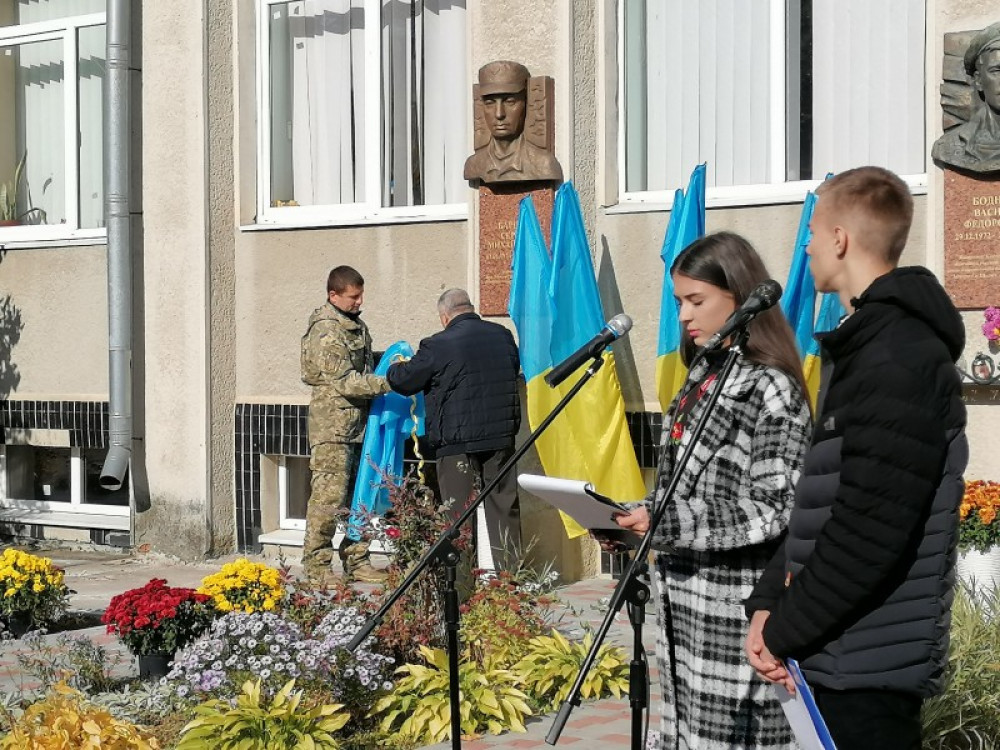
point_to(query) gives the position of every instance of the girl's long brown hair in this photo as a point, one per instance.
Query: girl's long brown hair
(729, 262)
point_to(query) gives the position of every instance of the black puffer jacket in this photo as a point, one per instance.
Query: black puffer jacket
(469, 375)
(870, 553)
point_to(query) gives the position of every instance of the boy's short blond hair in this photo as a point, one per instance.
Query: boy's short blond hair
(875, 203)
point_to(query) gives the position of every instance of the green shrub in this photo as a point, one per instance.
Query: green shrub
(419, 709)
(967, 714)
(253, 726)
(551, 666)
(498, 621)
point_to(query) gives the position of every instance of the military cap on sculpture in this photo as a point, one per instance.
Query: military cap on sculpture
(986, 40)
(509, 156)
(975, 145)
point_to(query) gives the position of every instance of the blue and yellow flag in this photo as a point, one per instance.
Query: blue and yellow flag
(799, 304)
(799, 300)
(555, 314)
(830, 313)
(687, 223)
(392, 419)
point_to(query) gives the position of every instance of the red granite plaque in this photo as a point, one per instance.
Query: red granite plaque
(498, 210)
(971, 239)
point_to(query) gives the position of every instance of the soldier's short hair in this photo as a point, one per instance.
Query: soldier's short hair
(342, 277)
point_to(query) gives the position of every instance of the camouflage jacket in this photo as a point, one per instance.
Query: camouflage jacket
(337, 362)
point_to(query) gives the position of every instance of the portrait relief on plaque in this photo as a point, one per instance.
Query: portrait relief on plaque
(970, 102)
(514, 134)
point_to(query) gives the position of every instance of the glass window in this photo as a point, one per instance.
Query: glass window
(366, 105)
(39, 473)
(769, 91)
(93, 492)
(51, 133)
(297, 488)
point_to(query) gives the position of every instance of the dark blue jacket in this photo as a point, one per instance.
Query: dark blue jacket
(861, 590)
(469, 375)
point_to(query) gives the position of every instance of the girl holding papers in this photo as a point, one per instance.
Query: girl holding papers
(732, 503)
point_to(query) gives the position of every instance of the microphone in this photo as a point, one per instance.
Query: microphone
(762, 298)
(615, 328)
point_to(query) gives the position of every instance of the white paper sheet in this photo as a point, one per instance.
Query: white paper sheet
(578, 500)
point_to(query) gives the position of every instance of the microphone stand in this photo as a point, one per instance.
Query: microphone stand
(443, 550)
(635, 592)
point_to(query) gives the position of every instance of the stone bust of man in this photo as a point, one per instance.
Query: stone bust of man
(508, 156)
(975, 145)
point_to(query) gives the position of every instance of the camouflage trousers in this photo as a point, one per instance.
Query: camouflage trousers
(334, 470)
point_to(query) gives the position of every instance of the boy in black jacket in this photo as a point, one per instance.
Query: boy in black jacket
(861, 590)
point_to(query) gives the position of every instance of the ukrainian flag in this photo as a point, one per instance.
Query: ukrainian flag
(555, 314)
(391, 420)
(830, 313)
(799, 300)
(687, 223)
(799, 304)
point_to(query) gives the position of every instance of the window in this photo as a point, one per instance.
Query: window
(293, 491)
(60, 479)
(768, 92)
(52, 71)
(364, 109)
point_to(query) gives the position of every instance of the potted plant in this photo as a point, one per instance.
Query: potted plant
(155, 620)
(32, 591)
(979, 532)
(8, 198)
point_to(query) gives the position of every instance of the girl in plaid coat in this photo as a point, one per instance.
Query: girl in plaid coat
(722, 524)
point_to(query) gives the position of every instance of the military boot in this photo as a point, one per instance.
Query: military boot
(358, 566)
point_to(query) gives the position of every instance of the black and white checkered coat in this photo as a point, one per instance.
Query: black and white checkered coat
(717, 535)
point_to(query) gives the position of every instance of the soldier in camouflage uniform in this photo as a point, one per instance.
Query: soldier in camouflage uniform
(337, 362)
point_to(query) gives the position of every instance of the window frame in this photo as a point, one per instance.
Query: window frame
(730, 196)
(368, 211)
(284, 521)
(78, 490)
(66, 29)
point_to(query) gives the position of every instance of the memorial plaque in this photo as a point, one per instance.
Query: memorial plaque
(971, 239)
(498, 211)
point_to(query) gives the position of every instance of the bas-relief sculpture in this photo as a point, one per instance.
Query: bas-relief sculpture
(513, 138)
(973, 145)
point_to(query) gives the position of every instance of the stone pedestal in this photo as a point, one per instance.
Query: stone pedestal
(499, 205)
(971, 239)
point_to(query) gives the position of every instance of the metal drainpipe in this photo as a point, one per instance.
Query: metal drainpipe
(117, 163)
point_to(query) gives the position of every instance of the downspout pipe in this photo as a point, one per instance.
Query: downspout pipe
(117, 167)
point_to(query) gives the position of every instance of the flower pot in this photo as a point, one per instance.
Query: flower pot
(980, 569)
(17, 623)
(154, 666)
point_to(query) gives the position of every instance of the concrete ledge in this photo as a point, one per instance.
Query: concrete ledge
(64, 519)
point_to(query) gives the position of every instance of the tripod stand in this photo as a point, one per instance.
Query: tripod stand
(443, 550)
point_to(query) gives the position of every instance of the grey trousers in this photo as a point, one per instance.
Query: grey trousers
(460, 479)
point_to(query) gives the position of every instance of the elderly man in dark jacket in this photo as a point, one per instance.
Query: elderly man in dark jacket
(469, 375)
(861, 591)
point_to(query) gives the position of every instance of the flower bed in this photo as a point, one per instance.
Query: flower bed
(272, 653)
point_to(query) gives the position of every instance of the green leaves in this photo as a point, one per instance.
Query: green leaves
(419, 707)
(253, 726)
(967, 713)
(549, 670)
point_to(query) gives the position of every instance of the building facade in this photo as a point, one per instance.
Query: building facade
(281, 138)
